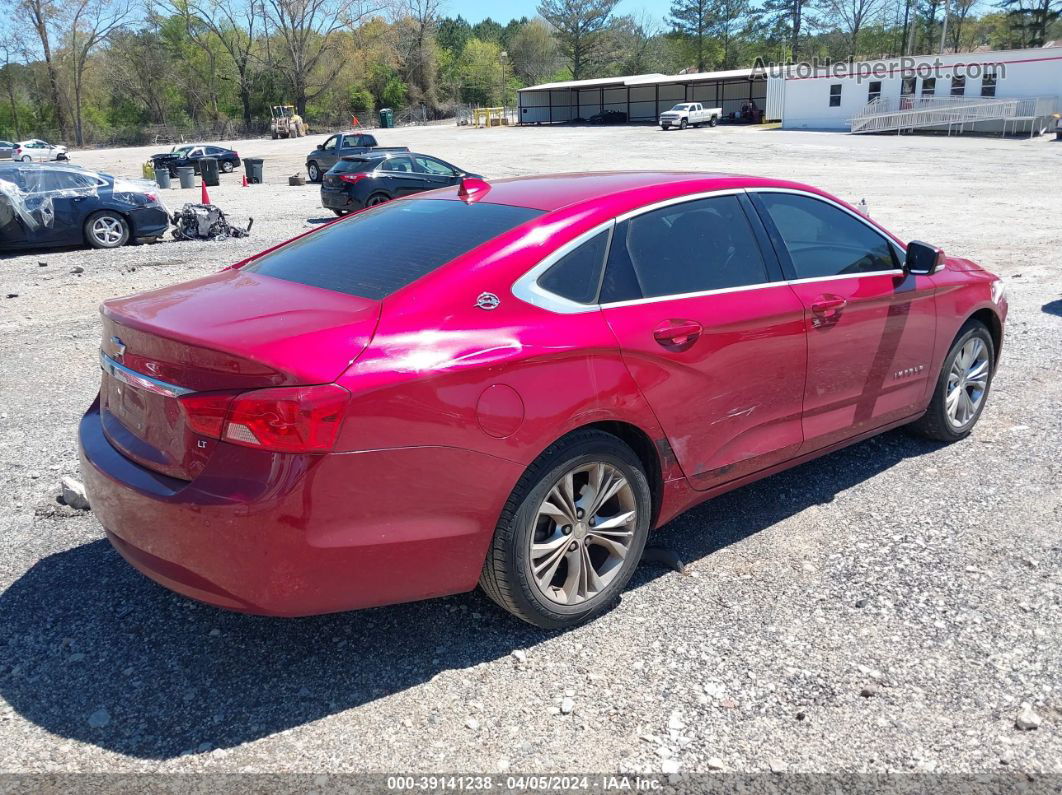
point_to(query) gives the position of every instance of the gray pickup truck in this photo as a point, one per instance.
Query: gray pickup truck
(340, 145)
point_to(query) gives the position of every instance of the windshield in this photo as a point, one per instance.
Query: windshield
(182, 150)
(373, 253)
(681, 107)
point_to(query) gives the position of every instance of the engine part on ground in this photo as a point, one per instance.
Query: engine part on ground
(296, 179)
(205, 222)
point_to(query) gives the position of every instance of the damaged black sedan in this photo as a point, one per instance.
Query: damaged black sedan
(45, 206)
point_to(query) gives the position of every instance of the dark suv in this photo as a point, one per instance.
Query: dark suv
(358, 181)
(328, 153)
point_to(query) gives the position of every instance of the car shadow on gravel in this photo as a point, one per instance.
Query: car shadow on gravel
(1053, 307)
(95, 652)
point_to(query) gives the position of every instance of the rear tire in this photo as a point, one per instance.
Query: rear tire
(962, 386)
(377, 198)
(27, 159)
(683, 124)
(227, 166)
(106, 229)
(713, 121)
(523, 573)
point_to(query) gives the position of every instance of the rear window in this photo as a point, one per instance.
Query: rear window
(352, 166)
(374, 253)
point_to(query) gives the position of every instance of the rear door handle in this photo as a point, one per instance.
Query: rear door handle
(828, 303)
(680, 334)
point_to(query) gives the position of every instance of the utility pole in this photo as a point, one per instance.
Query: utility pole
(944, 31)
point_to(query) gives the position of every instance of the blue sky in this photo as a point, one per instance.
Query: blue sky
(475, 10)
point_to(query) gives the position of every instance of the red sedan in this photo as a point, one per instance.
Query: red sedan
(510, 384)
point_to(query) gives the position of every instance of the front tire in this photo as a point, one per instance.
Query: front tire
(665, 127)
(106, 229)
(313, 172)
(572, 532)
(962, 386)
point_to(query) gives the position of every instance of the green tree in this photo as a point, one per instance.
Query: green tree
(453, 33)
(533, 52)
(578, 26)
(481, 73)
(692, 18)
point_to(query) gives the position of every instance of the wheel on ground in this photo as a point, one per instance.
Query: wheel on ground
(962, 386)
(572, 532)
(313, 172)
(226, 166)
(683, 124)
(27, 159)
(275, 136)
(713, 121)
(377, 198)
(106, 229)
(665, 126)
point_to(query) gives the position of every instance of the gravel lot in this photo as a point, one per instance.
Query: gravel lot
(887, 608)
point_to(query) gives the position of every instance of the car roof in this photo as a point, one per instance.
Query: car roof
(551, 192)
(65, 169)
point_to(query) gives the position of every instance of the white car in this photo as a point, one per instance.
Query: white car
(37, 151)
(689, 114)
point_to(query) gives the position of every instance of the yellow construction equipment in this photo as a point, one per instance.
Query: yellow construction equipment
(286, 123)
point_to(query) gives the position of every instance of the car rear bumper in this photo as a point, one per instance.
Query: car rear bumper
(149, 222)
(291, 535)
(338, 200)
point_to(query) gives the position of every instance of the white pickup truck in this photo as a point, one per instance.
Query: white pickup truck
(689, 114)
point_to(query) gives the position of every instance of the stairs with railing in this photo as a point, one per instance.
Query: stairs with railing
(953, 113)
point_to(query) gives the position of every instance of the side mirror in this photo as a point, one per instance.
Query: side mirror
(923, 258)
(320, 146)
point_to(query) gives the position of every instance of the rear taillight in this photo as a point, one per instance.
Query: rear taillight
(300, 419)
(352, 178)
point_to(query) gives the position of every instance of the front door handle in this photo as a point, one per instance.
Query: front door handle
(677, 334)
(829, 303)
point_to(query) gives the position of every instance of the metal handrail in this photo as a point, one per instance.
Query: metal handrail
(910, 112)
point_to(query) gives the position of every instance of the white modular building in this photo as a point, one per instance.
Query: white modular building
(972, 85)
(641, 97)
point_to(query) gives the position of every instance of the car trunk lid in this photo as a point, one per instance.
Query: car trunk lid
(230, 332)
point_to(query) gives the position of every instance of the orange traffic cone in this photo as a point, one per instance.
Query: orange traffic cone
(206, 196)
(244, 183)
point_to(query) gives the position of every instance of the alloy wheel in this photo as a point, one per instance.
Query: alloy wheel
(374, 200)
(107, 230)
(314, 173)
(583, 531)
(967, 382)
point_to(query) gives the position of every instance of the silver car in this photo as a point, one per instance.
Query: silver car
(37, 151)
(6, 148)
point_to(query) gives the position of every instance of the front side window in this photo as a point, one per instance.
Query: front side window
(988, 84)
(330, 144)
(958, 85)
(835, 95)
(824, 240)
(693, 247)
(373, 253)
(577, 274)
(433, 166)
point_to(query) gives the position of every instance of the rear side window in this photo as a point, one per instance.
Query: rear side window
(826, 241)
(374, 253)
(577, 275)
(691, 247)
(353, 166)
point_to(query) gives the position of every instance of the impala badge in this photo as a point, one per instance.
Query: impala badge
(119, 347)
(488, 301)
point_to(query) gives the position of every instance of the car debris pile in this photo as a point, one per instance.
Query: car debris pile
(205, 222)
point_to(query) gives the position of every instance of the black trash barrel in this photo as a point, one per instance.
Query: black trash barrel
(208, 167)
(252, 166)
